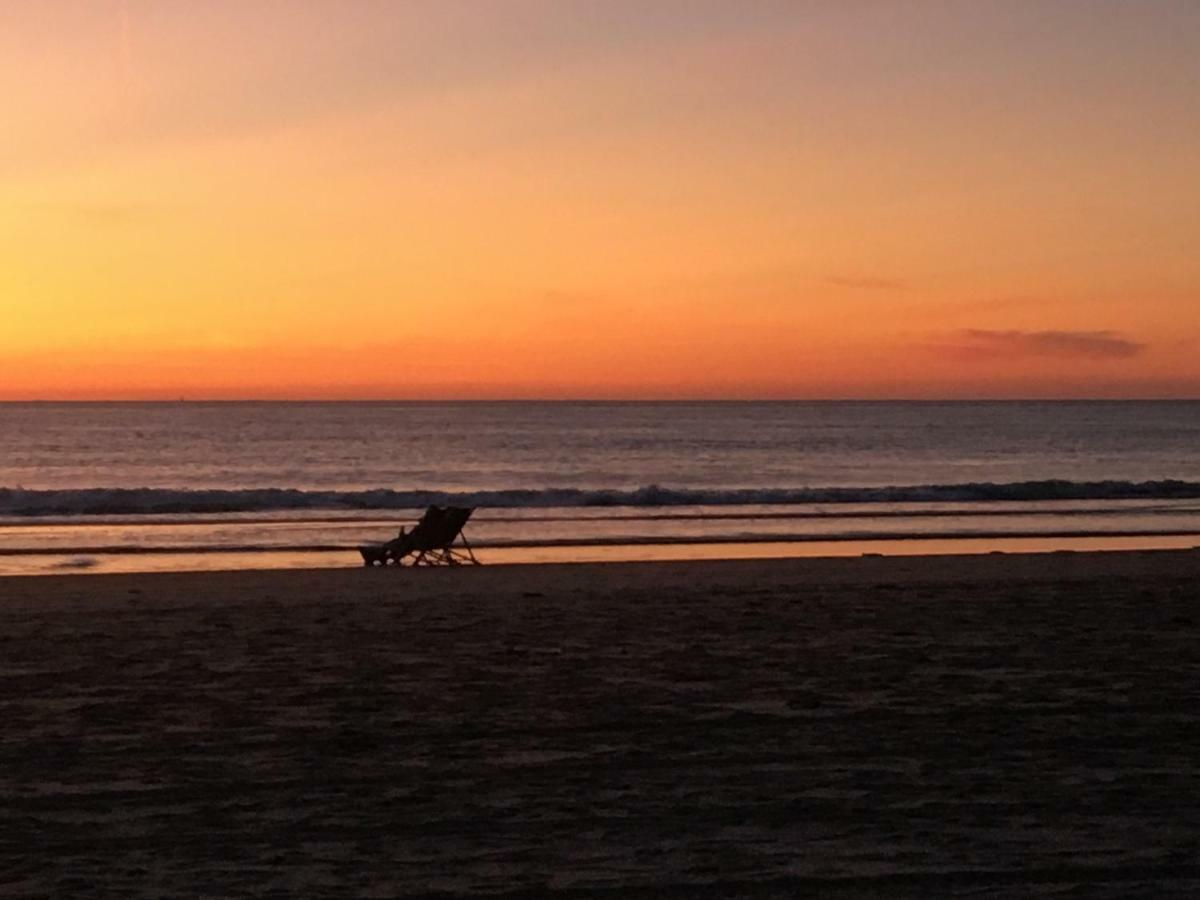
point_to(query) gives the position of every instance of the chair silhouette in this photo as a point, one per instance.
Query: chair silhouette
(430, 543)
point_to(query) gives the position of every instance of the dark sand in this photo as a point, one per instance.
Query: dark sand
(984, 726)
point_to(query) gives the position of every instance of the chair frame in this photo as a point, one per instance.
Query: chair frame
(430, 543)
(444, 556)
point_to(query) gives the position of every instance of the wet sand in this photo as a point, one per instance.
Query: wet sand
(993, 725)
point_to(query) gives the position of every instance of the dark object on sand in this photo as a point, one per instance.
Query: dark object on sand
(430, 543)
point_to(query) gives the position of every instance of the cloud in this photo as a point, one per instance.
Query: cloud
(1079, 344)
(871, 284)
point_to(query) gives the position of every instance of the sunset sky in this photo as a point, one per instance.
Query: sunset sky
(553, 198)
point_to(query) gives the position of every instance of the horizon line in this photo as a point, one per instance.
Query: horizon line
(434, 400)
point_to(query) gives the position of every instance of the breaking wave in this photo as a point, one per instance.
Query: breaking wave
(137, 501)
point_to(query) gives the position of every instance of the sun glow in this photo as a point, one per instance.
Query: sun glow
(533, 199)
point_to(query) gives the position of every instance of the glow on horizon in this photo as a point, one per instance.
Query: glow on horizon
(557, 198)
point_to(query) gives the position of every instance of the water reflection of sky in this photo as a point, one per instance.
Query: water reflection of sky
(69, 564)
(329, 538)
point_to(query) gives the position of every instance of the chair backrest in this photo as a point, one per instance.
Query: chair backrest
(456, 519)
(427, 533)
(438, 528)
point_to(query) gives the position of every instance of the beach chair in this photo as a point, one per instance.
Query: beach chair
(430, 543)
(435, 547)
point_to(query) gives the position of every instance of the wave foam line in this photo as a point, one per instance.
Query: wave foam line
(150, 501)
(386, 518)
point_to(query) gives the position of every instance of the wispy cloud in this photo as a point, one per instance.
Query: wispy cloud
(867, 283)
(1079, 344)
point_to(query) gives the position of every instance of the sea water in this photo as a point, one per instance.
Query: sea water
(132, 486)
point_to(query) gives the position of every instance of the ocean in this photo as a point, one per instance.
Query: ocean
(92, 487)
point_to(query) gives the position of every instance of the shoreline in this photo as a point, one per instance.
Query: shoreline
(325, 584)
(82, 562)
(617, 542)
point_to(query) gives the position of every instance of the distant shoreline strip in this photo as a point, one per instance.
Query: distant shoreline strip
(120, 550)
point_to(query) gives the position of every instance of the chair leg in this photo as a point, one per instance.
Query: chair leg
(470, 552)
(465, 557)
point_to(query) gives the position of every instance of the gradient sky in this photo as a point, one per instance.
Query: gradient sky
(553, 198)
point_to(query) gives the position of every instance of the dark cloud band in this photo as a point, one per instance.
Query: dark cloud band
(1093, 344)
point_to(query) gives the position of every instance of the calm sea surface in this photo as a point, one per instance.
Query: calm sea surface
(197, 485)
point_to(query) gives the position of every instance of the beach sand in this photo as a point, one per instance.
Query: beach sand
(989, 725)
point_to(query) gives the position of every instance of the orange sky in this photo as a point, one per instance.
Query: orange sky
(550, 198)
